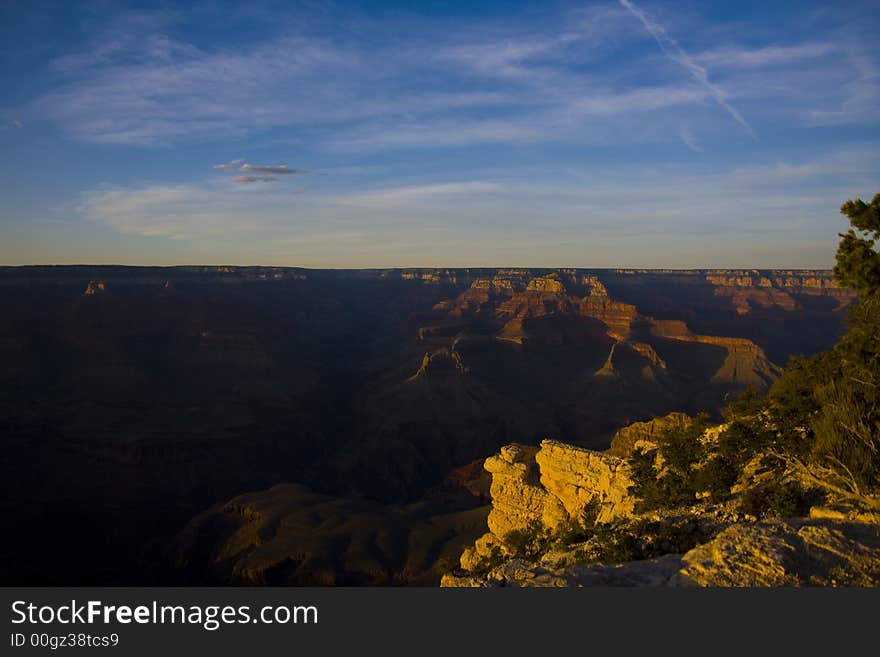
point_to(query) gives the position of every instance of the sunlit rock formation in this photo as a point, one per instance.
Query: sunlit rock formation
(95, 287)
(550, 485)
(643, 434)
(540, 491)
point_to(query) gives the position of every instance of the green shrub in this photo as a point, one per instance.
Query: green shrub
(613, 544)
(681, 451)
(716, 476)
(486, 562)
(782, 500)
(530, 542)
(643, 539)
(578, 530)
(749, 403)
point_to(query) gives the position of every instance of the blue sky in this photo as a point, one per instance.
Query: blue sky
(623, 133)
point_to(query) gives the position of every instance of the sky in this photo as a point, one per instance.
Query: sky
(621, 133)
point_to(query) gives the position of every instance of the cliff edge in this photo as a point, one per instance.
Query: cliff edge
(562, 515)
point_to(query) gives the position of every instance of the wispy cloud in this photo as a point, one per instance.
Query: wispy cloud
(444, 134)
(511, 58)
(402, 225)
(577, 80)
(244, 180)
(689, 140)
(590, 219)
(673, 51)
(415, 194)
(232, 164)
(635, 101)
(859, 97)
(148, 89)
(580, 118)
(766, 56)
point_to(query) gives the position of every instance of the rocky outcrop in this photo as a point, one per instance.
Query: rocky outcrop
(755, 289)
(578, 477)
(517, 495)
(442, 360)
(551, 284)
(594, 286)
(542, 297)
(644, 434)
(663, 571)
(95, 287)
(549, 487)
(793, 552)
(774, 553)
(536, 538)
(617, 316)
(746, 364)
(745, 300)
(607, 368)
(436, 276)
(809, 552)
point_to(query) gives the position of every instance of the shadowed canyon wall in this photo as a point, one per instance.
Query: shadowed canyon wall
(135, 399)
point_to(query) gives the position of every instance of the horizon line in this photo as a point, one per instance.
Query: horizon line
(414, 267)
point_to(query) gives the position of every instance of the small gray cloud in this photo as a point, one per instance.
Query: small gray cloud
(271, 168)
(232, 164)
(17, 124)
(246, 180)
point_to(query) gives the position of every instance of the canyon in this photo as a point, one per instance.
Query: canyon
(284, 425)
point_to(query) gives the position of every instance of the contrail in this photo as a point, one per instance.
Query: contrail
(671, 49)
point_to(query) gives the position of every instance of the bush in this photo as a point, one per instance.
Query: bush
(578, 530)
(681, 450)
(613, 544)
(749, 403)
(781, 500)
(530, 542)
(642, 539)
(681, 447)
(486, 562)
(716, 476)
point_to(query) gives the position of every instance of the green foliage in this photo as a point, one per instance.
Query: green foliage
(825, 410)
(681, 447)
(858, 263)
(783, 500)
(847, 433)
(847, 425)
(485, 564)
(643, 539)
(529, 543)
(742, 439)
(578, 530)
(616, 544)
(681, 450)
(716, 476)
(792, 404)
(750, 402)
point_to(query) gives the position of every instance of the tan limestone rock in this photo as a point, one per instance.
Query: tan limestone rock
(518, 499)
(793, 553)
(578, 476)
(644, 434)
